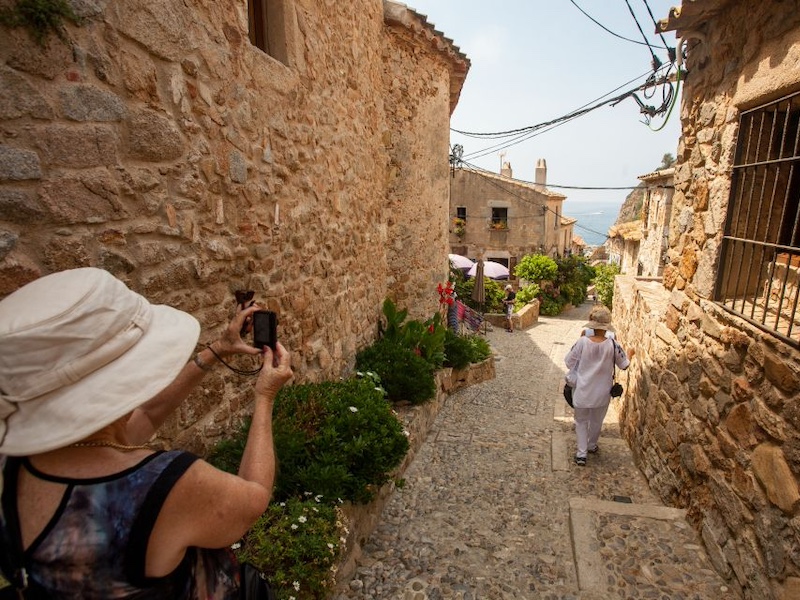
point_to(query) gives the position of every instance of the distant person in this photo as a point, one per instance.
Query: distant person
(591, 363)
(508, 301)
(89, 370)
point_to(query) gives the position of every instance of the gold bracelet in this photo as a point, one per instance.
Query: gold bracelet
(199, 362)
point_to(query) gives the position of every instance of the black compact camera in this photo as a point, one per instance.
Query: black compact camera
(265, 329)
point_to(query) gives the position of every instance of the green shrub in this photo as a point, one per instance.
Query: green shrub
(337, 440)
(405, 374)
(493, 291)
(536, 267)
(39, 17)
(425, 339)
(297, 545)
(480, 349)
(604, 283)
(526, 295)
(457, 350)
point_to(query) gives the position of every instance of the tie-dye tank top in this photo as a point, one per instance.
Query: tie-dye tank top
(95, 545)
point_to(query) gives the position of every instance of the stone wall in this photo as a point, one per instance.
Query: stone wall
(711, 413)
(711, 406)
(156, 142)
(417, 86)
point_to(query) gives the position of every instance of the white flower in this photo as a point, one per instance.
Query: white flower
(294, 525)
(296, 586)
(236, 546)
(318, 498)
(302, 519)
(353, 409)
(283, 504)
(330, 545)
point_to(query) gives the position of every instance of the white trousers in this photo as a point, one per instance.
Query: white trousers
(588, 424)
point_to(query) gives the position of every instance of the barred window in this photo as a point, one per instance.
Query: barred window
(759, 275)
(267, 22)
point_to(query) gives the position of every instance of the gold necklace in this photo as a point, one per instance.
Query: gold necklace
(108, 444)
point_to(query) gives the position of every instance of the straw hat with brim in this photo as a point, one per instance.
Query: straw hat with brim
(600, 319)
(78, 350)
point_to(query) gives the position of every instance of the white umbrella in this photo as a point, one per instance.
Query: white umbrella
(491, 269)
(460, 262)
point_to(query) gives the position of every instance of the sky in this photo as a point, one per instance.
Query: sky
(537, 60)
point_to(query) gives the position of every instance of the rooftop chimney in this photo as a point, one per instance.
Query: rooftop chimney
(505, 170)
(540, 180)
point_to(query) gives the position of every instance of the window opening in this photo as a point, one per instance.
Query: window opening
(267, 24)
(759, 274)
(499, 218)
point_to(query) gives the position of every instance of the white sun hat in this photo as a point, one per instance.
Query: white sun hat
(78, 350)
(600, 318)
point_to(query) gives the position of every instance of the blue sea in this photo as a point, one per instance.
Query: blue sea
(594, 218)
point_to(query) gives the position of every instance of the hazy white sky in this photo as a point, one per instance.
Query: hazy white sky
(536, 60)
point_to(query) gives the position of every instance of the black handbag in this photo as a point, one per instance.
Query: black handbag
(568, 394)
(253, 585)
(616, 389)
(12, 561)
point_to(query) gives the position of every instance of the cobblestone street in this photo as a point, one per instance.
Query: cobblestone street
(494, 508)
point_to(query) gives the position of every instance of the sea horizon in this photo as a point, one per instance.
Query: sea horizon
(594, 219)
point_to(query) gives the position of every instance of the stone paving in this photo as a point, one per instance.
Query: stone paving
(493, 507)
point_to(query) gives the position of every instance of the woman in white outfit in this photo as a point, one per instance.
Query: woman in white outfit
(591, 363)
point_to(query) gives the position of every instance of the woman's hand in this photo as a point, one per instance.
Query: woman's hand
(231, 342)
(276, 371)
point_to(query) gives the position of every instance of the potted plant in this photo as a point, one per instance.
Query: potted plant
(459, 227)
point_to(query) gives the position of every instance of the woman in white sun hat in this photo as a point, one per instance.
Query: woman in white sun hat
(591, 363)
(88, 372)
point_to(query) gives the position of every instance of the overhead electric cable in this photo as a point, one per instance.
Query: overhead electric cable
(523, 134)
(599, 24)
(656, 62)
(577, 112)
(670, 50)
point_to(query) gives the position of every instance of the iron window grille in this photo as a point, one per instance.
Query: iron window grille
(759, 274)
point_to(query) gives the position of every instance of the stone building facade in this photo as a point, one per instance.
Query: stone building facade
(158, 142)
(624, 245)
(656, 215)
(712, 403)
(504, 219)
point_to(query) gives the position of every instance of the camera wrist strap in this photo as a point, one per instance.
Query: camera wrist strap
(234, 369)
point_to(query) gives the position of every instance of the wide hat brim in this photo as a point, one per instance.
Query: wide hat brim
(70, 413)
(599, 325)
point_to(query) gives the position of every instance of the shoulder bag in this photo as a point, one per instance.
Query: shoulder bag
(616, 388)
(12, 557)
